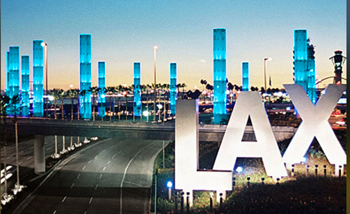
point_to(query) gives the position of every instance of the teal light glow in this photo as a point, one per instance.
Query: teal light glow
(219, 51)
(304, 64)
(137, 89)
(300, 58)
(311, 74)
(173, 91)
(85, 76)
(25, 86)
(245, 76)
(102, 86)
(38, 79)
(13, 74)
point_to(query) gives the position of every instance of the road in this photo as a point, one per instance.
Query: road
(26, 155)
(111, 176)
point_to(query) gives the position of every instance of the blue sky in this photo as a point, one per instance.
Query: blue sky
(124, 32)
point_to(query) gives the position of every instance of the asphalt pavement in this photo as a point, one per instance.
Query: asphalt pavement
(111, 176)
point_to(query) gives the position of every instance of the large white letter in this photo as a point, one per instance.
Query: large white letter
(186, 154)
(249, 103)
(315, 124)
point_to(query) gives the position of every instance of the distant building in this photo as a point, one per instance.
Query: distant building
(304, 63)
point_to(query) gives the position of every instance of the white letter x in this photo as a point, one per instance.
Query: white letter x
(314, 124)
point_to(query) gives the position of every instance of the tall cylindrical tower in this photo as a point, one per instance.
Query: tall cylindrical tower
(219, 51)
(85, 76)
(245, 76)
(38, 79)
(137, 89)
(102, 86)
(25, 86)
(173, 92)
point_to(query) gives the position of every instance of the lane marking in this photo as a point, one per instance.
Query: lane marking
(108, 162)
(54, 212)
(100, 176)
(72, 186)
(78, 175)
(90, 200)
(49, 148)
(89, 161)
(114, 156)
(64, 199)
(126, 168)
(96, 186)
(84, 167)
(104, 168)
(29, 157)
(85, 212)
(20, 163)
(8, 157)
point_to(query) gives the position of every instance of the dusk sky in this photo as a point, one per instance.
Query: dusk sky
(123, 32)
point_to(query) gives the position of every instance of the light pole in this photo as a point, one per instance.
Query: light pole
(44, 44)
(169, 185)
(155, 81)
(265, 59)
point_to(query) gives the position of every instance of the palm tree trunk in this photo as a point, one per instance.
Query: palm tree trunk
(62, 109)
(16, 134)
(126, 108)
(110, 108)
(93, 108)
(55, 109)
(78, 108)
(71, 111)
(119, 110)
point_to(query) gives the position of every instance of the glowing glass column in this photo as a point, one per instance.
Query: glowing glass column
(101, 85)
(300, 58)
(173, 92)
(7, 72)
(311, 79)
(219, 50)
(13, 74)
(38, 79)
(85, 76)
(245, 76)
(137, 89)
(25, 86)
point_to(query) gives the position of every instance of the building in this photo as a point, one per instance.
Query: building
(85, 76)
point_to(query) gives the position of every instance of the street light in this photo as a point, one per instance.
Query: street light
(265, 59)
(155, 81)
(44, 44)
(169, 185)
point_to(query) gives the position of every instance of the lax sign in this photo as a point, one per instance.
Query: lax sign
(314, 124)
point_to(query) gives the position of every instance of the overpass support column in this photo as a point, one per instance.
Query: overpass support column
(39, 154)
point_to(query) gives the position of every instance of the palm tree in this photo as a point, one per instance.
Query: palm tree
(72, 93)
(94, 91)
(111, 91)
(61, 95)
(55, 93)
